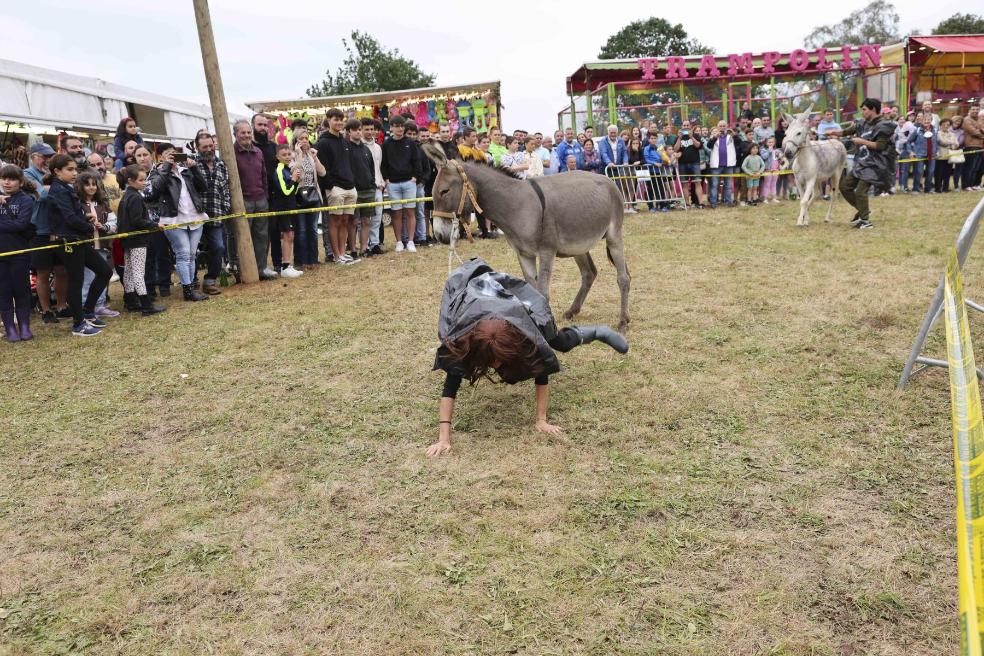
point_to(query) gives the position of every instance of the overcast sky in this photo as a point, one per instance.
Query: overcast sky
(531, 45)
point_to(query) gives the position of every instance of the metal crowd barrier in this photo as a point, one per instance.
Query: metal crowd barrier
(653, 185)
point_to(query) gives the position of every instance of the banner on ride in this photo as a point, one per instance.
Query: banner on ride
(968, 455)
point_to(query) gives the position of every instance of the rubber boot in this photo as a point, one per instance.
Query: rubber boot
(603, 334)
(192, 294)
(148, 308)
(10, 330)
(24, 323)
(131, 302)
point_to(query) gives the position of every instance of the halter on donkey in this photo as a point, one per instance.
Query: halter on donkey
(467, 192)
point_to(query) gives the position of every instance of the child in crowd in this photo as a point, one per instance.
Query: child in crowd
(772, 158)
(17, 201)
(71, 224)
(284, 199)
(126, 132)
(93, 197)
(515, 160)
(753, 166)
(657, 159)
(134, 216)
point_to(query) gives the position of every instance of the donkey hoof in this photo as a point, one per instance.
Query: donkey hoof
(571, 313)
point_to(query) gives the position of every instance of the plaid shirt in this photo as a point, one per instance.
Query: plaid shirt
(216, 197)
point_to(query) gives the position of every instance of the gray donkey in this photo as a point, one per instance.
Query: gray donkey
(543, 218)
(813, 162)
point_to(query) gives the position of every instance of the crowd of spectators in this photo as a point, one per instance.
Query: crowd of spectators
(52, 198)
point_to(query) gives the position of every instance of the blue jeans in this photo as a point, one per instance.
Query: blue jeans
(904, 173)
(215, 239)
(377, 221)
(722, 170)
(925, 181)
(88, 276)
(306, 236)
(184, 243)
(421, 234)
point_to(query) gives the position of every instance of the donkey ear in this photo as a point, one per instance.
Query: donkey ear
(805, 115)
(435, 153)
(789, 119)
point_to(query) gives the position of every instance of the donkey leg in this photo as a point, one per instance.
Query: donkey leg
(528, 264)
(616, 253)
(546, 259)
(588, 274)
(808, 190)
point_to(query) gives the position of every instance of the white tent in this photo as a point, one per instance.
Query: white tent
(40, 101)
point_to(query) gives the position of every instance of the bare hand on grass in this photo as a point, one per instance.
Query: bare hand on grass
(545, 427)
(438, 448)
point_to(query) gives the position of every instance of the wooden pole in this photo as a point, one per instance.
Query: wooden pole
(223, 132)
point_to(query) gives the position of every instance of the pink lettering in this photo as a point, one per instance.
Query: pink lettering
(769, 60)
(870, 56)
(648, 66)
(822, 63)
(744, 61)
(799, 60)
(846, 60)
(676, 67)
(708, 66)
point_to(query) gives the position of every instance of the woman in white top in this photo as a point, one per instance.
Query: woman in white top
(308, 195)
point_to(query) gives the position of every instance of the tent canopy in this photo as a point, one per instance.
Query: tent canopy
(952, 43)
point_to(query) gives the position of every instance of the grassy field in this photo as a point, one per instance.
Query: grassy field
(246, 475)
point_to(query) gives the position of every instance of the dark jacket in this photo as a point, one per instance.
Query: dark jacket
(65, 215)
(874, 165)
(450, 150)
(16, 228)
(269, 150)
(399, 160)
(165, 190)
(423, 165)
(336, 156)
(363, 168)
(132, 214)
(474, 292)
(284, 195)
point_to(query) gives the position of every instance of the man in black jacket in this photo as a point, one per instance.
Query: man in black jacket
(364, 173)
(400, 167)
(334, 151)
(261, 139)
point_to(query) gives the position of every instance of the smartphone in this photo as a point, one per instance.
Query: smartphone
(180, 158)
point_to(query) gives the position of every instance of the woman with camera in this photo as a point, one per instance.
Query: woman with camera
(176, 185)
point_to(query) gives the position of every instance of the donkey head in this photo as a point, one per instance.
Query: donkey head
(450, 199)
(797, 131)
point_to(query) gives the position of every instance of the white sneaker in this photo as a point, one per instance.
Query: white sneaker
(270, 272)
(411, 248)
(399, 247)
(291, 272)
(115, 277)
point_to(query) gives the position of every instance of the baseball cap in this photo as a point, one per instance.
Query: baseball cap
(42, 149)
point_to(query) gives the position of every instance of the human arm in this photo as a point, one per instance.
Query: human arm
(197, 179)
(542, 401)
(445, 412)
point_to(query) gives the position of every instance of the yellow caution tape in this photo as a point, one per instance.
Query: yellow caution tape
(968, 456)
(67, 245)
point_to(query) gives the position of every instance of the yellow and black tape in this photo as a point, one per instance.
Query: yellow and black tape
(67, 245)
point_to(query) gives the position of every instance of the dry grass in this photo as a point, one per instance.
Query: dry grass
(746, 481)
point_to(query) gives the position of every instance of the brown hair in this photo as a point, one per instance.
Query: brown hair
(84, 178)
(494, 341)
(11, 172)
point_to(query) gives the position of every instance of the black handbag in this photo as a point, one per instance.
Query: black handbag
(309, 195)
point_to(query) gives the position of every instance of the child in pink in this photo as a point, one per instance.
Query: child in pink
(773, 163)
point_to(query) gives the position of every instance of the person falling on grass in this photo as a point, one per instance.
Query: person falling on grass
(491, 321)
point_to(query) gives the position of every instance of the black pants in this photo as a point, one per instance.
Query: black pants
(158, 272)
(15, 282)
(80, 258)
(971, 170)
(941, 176)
